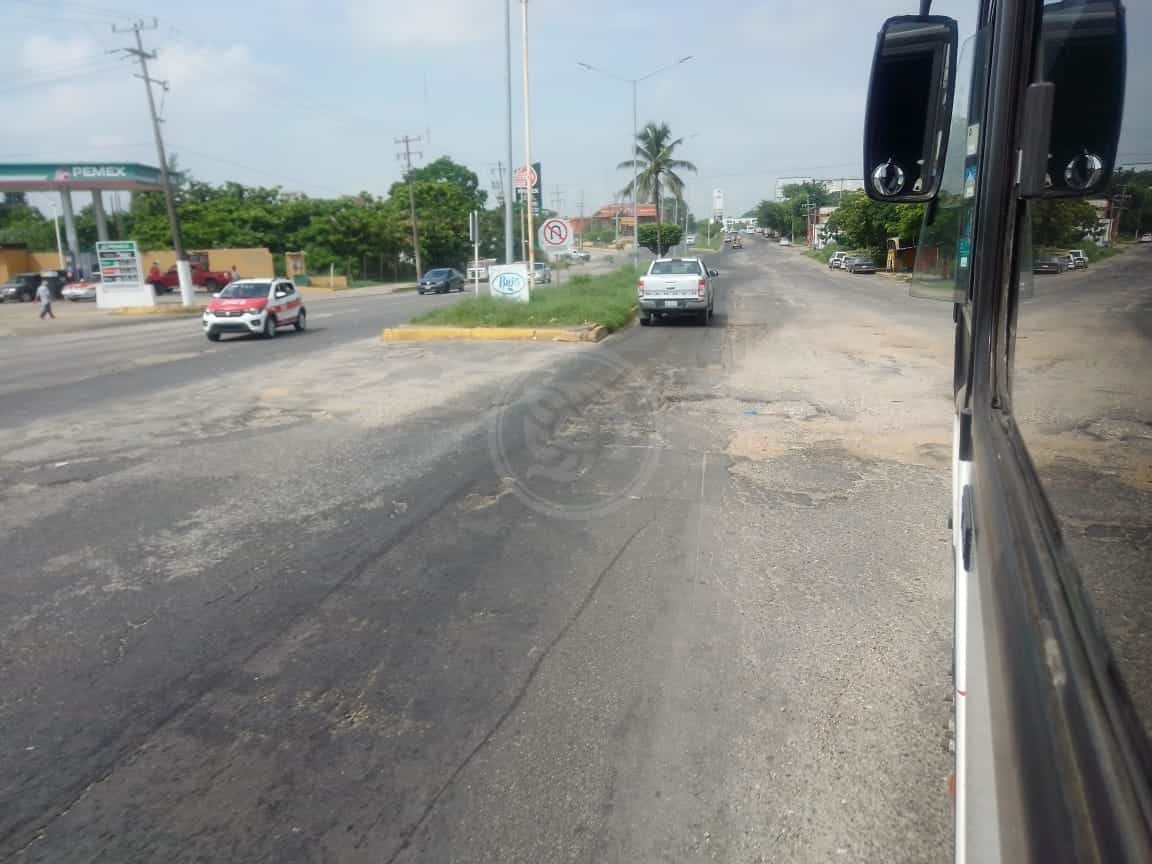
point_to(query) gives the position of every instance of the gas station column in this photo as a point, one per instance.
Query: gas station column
(101, 219)
(70, 225)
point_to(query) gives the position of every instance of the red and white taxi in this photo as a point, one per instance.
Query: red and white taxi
(257, 306)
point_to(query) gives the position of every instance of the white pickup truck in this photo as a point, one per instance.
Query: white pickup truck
(676, 286)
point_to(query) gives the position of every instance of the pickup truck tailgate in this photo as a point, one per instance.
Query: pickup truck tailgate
(671, 286)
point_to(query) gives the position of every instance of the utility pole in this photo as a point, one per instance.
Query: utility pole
(183, 269)
(557, 200)
(406, 157)
(528, 201)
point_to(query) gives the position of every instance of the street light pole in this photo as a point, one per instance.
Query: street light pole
(635, 82)
(528, 199)
(635, 181)
(508, 191)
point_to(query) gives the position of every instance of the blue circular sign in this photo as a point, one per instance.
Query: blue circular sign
(509, 284)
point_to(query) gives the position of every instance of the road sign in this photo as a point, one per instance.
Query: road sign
(509, 282)
(555, 234)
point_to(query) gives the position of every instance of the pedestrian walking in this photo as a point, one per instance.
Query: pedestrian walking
(44, 295)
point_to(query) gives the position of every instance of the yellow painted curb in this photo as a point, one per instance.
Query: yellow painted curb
(406, 333)
(158, 310)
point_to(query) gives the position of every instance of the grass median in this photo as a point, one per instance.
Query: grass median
(607, 300)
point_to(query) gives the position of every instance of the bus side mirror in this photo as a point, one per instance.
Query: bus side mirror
(1080, 69)
(909, 108)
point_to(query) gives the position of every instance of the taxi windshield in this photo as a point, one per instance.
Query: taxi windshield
(245, 290)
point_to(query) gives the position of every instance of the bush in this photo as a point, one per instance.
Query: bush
(608, 300)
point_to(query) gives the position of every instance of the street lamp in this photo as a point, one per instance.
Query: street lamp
(635, 135)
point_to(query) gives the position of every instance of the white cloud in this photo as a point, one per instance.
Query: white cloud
(49, 53)
(427, 22)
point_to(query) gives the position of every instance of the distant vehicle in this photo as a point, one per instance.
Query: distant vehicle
(83, 289)
(737, 243)
(1146, 238)
(1079, 259)
(690, 239)
(728, 240)
(676, 287)
(440, 281)
(543, 273)
(210, 280)
(859, 264)
(784, 241)
(1048, 264)
(21, 288)
(254, 306)
(837, 260)
(580, 255)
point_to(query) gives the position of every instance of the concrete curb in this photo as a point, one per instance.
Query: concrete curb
(413, 333)
(159, 310)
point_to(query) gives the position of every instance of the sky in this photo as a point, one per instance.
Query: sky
(311, 96)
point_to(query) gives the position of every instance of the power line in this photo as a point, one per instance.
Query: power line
(406, 156)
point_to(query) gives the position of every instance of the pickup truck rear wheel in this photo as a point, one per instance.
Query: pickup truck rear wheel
(210, 285)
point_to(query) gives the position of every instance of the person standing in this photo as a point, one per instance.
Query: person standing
(233, 274)
(44, 295)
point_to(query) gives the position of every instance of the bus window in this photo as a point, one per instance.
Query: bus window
(1082, 379)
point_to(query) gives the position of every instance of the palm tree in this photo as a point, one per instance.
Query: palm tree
(655, 166)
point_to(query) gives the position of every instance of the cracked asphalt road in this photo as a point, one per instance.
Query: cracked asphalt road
(683, 596)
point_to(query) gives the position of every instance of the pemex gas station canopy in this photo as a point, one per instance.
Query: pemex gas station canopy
(79, 176)
(69, 177)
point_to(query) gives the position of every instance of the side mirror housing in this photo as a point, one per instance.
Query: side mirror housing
(1080, 73)
(909, 108)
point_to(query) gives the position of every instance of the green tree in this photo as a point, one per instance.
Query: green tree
(656, 166)
(1061, 221)
(664, 236)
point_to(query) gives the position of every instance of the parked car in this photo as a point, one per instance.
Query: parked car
(859, 264)
(1079, 259)
(254, 306)
(580, 255)
(440, 281)
(784, 241)
(543, 273)
(837, 260)
(1146, 238)
(677, 287)
(82, 289)
(21, 288)
(1048, 264)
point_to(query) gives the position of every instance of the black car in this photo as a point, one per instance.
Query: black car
(441, 281)
(1048, 264)
(859, 264)
(21, 287)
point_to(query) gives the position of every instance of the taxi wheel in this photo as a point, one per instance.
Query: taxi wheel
(301, 321)
(270, 327)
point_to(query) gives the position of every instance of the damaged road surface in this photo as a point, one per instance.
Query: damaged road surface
(681, 596)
